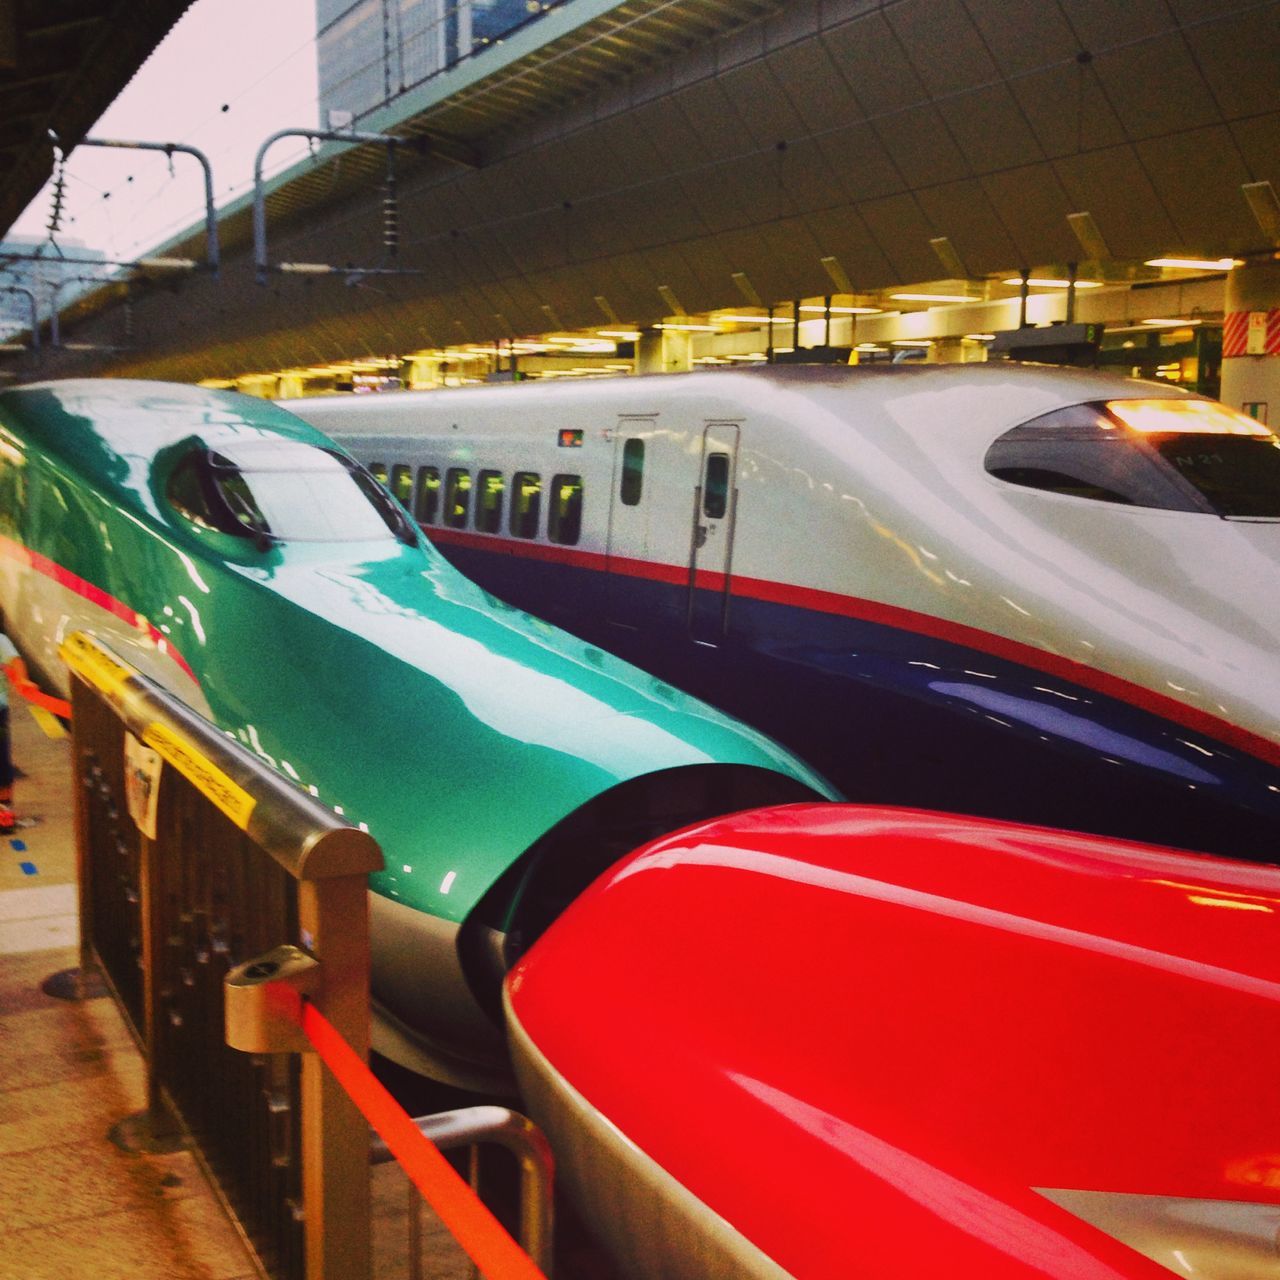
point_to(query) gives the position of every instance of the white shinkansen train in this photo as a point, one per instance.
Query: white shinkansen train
(1040, 594)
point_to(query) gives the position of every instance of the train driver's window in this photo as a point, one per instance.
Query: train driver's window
(457, 497)
(564, 519)
(489, 502)
(402, 483)
(632, 471)
(276, 491)
(1081, 452)
(378, 470)
(526, 504)
(426, 505)
(715, 498)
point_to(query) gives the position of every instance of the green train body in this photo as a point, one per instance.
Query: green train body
(230, 552)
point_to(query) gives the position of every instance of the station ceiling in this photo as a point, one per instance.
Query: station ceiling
(62, 63)
(674, 145)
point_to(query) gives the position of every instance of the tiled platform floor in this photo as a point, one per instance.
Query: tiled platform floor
(72, 1204)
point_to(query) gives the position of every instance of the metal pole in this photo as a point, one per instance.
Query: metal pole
(1024, 275)
(212, 252)
(1071, 292)
(55, 332)
(30, 295)
(352, 136)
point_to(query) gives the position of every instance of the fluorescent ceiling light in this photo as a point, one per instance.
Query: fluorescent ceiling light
(1195, 264)
(845, 311)
(933, 297)
(1044, 282)
(689, 328)
(911, 342)
(981, 337)
(869, 346)
(757, 319)
(626, 335)
(1169, 324)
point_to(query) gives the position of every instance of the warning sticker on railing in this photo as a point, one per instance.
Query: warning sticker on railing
(90, 662)
(202, 773)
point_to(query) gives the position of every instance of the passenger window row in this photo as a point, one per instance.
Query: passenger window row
(450, 502)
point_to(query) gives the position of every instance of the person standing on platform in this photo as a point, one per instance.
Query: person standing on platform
(14, 670)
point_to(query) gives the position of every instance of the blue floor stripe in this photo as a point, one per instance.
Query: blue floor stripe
(19, 846)
(28, 868)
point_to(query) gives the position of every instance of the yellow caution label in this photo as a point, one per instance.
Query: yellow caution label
(47, 721)
(202, 773)
(92, 664)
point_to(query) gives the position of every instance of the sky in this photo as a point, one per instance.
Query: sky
(230, 73)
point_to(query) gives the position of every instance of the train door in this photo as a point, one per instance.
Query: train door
(715, 502)
(629, 507)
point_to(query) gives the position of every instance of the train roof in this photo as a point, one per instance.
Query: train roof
(111, 429)
(985, 398)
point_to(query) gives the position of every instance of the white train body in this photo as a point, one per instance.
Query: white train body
(826, 553)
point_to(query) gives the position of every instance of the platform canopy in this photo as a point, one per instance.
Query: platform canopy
(62, 63)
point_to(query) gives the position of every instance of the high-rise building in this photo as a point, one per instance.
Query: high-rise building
(51, 279)
(370, 51)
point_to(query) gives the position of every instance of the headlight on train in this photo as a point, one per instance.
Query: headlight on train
(1208, 1239)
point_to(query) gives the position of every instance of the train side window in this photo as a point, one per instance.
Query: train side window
(632, 471)
(457, 497)
(564, 519)
(426, 506)
(526, 504)
(489, 502)
(402, 483)
(378, 470)
(715, 496)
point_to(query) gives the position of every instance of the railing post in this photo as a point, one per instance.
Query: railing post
(229, 855)
(335, 1137)
(80, 697)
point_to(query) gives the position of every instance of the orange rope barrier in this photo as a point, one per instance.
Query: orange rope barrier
(481, 1235)
(27, 689)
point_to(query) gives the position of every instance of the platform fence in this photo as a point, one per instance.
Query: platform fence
(195, 860)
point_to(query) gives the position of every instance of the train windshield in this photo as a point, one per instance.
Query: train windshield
(285, 491)
(1170, 454)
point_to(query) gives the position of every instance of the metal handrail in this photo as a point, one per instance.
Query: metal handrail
(518, 1134)
(303, 835)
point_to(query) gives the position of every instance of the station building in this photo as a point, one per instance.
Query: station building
(593, 187)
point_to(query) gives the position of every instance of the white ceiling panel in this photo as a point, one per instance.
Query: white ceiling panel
(944, 46)
(1023, 37)
(1230, 56)
(921, 146)
(992, 130)
(1112, 186)
(1155, 88)
(1068, 110)
(867, 54)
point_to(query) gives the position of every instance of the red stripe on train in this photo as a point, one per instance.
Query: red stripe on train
(889, 615)
(95, 595)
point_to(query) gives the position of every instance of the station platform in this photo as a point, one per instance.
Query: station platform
(74, 1201)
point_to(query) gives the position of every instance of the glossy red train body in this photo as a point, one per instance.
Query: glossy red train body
(833, 1041)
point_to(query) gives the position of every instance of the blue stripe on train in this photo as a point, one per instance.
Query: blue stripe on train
(895, 717)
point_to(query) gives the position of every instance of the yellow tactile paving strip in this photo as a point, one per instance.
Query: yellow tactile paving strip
(72, 1204)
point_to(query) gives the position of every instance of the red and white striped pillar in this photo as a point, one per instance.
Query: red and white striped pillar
(1251, 341)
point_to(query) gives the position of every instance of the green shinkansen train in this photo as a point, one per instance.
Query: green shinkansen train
(246, 563)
